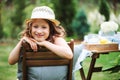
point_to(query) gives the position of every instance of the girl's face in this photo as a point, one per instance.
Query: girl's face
(40, 30)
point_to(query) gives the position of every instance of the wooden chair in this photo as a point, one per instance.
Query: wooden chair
(44, 57)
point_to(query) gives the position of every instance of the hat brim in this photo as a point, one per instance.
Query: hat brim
(56, 22)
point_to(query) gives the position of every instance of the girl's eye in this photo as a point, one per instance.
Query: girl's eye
(44, 27)
(35, 26)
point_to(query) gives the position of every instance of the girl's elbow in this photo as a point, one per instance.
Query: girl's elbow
(70, 56)
(11, 62)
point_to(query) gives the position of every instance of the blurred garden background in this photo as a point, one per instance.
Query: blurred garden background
(78, 17)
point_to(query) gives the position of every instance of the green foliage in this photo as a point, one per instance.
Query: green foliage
(1, 27)
(6, 21)
(18, 17)
(1, 30)
(104, 9)
(80, 25)
(28, 9)
(65, 11)
(10, 29)
(44, 2)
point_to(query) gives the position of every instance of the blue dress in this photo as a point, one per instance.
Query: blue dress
(45, 73)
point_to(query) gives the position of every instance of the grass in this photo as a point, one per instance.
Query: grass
(8, 72)
(104, 75)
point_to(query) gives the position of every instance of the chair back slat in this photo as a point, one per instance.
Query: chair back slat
(41, 55)
(45, 62)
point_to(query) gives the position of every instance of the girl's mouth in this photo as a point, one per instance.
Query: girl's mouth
(39, 35)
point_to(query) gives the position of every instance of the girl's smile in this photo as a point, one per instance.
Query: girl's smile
(39, 35)
(40, 30)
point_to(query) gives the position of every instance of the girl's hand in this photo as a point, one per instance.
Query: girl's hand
(31, 41)
(42, 43)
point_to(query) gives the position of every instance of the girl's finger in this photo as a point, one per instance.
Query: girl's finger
(33, 46)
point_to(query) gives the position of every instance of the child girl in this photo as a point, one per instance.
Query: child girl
(44, 30)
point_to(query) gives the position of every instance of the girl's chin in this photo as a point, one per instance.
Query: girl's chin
(40, 40)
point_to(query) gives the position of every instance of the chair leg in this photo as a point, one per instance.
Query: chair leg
(82, 74)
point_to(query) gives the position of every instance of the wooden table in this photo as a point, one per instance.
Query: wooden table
(92, 67)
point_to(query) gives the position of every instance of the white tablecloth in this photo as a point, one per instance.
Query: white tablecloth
(80, 55)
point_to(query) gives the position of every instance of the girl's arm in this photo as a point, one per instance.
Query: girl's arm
(14, 54)
(60, 47)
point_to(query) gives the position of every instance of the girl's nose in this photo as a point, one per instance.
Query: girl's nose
(39, 30)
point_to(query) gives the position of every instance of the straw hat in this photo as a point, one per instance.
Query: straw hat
(44, 12)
